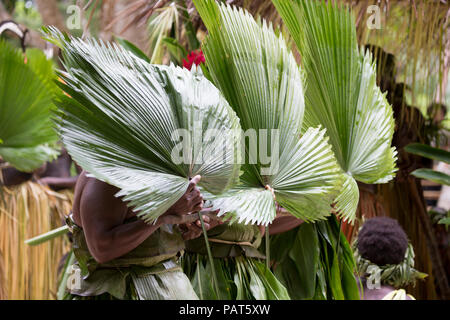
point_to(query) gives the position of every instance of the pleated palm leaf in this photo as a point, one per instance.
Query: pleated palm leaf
(26, 92)
(121, 120)
(260, 78)
(342, 94)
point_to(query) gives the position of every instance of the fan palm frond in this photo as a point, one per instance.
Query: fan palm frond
(162, 21)
(26, 93)
(122, 119)
(342, 94)
(260, 78)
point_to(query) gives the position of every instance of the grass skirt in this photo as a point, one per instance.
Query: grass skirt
(2, 280)
(164, 281)
(26, 211)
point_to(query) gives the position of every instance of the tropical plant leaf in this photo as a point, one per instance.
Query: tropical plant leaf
(67, 269)
(122, 120)
(42, 67)
(428, 151)
(435, 176)
(337, 263)
(48, 236)
(342, 94)
(273, 287)
(259, 77)
(28, 159)
(445, 221)
(305, 254)
(26, 130)
(177, 51)
(347, 200)
(160, 25)
(132, 48)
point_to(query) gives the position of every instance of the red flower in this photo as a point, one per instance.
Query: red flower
(195, 57)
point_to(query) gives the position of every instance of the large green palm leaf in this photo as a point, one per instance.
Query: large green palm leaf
(262, 82)
(342, 94)
(121, 120)
(26, 92)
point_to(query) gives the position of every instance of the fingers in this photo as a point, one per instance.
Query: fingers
(206, 221)
(197, 207)
(172, 219)
(195, 199)
(195, 195)
(194, 230)
(193, 183)
(210, 211)
(191, 235)
(199, 224)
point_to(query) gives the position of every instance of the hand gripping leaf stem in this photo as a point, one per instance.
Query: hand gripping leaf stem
(262, 82)
(121, 120)
(342, 94)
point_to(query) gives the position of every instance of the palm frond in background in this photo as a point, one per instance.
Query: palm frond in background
(120, 123)
(417, 33)
(26, 130)
(262, 82)
(169, 26)
(160, 25)
(342, 94)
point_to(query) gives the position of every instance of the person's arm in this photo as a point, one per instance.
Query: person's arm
(102, 216)
(283, 222)
(58, 182)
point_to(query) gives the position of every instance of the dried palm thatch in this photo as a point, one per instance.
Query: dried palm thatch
(2, 279)
(417, 33)
(28, 210)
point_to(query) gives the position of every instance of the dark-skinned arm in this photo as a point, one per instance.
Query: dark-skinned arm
(283, 222)
(103, 217)
(58, 182)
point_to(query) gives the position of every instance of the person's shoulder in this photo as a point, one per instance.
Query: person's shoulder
(96, 186)
(93, 188)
